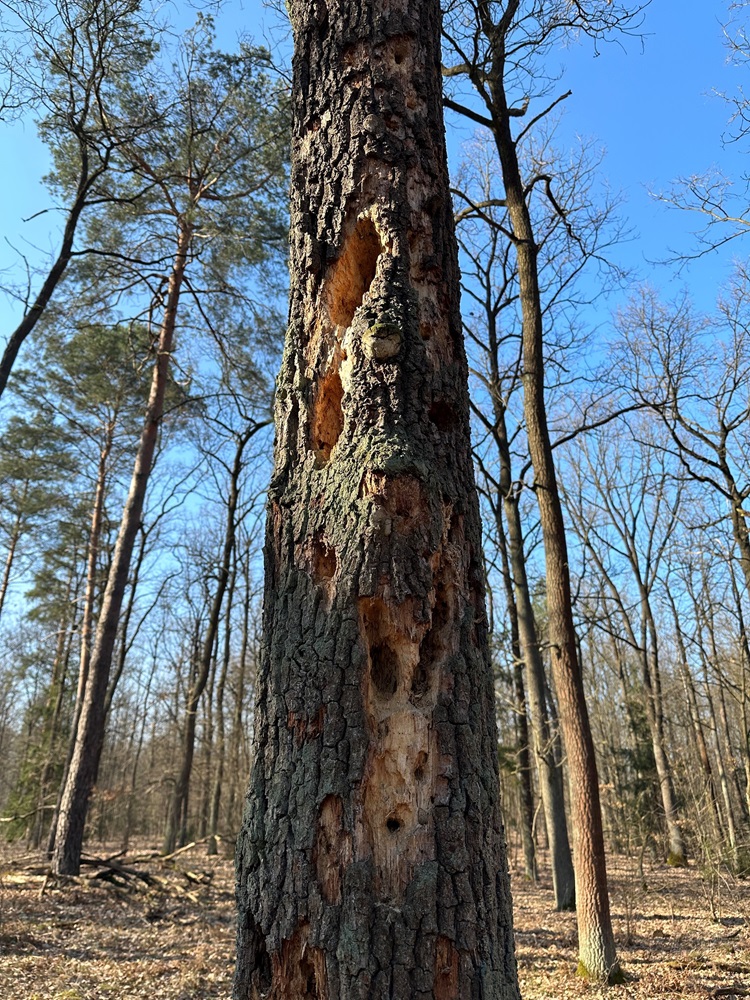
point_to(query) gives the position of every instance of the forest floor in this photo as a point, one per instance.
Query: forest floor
(168, 932)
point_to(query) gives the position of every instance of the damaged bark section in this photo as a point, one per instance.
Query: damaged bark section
(371, 861)
(298, 969)
(333, 848)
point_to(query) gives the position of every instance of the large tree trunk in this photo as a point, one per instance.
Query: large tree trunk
(596, 945)
(84, 765)
(371, 862)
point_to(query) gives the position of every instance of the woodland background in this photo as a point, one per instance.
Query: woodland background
(649, 413)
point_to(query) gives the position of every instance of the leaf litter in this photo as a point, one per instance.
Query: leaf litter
(132, 926)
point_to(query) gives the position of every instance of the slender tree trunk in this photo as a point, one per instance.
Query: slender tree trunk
(723, 779)
(55, 704)
(371, 862)
(696, 722)
(655, 714)
(36, 309)
(744, 695)
(521, 717)
(124, 643)
(208, 750)
(177, 817)
(218, 778)
(139, 750)
(9, 558)
(90, 735)
(597, 954)
(238, 773)
(87, 617)
(525, 788)
(550, 772)
(729, 757)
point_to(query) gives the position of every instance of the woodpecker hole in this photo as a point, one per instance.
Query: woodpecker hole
(327, 416)
(384, 669)
(442, 415)
(434, 645)
(353, 272)
(324, 561)
(299, 968)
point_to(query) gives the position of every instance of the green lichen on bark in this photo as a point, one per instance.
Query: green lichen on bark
(616, 977)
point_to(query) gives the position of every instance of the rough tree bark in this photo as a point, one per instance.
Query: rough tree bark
(371, 861)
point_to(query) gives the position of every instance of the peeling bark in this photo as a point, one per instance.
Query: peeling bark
(371, 862)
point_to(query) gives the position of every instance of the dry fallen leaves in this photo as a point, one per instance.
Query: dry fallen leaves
(679, 933)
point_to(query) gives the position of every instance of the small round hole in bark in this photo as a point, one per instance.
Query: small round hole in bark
(419, 774)
(442, 415)
(384, 669)
(392, 824)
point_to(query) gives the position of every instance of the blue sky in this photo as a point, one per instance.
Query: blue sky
(651, 105)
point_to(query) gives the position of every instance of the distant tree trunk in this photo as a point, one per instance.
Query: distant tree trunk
(237, 774)
(177, 817)
(138, 751)
(744, 692)
(87, 617)
(90, 735)
(9, 558)
(731, 824)
(596, 944)
(550, 771)
(125, 639)
(55, 703)
(510, 533)
(208, 752)
(371, 862)
(728, 752)
(695, 720)
(526, 794)
(218, 777)
(655, 715)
